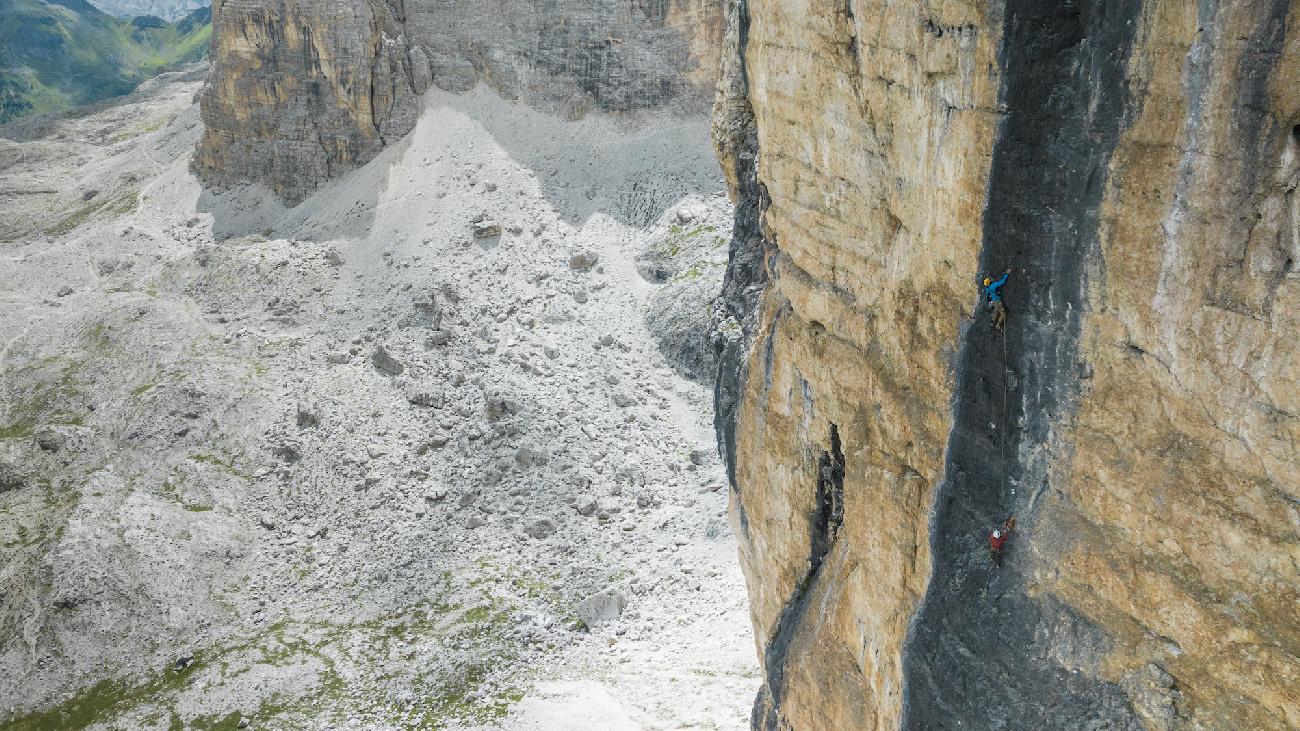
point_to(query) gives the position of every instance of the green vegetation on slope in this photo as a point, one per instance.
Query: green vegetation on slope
(56, 54)
(451, 695)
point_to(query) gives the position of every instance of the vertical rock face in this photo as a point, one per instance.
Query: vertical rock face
(1135, 164)
(302, 90)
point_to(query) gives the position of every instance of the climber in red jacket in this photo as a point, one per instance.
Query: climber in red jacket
(998, 539)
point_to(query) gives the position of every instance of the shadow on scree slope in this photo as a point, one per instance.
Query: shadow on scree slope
(631, 169)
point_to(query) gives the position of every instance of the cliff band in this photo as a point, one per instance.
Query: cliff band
(1135, 164)
(304, 90)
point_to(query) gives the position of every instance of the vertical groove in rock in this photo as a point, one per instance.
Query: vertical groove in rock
(1064, 89)
(1257, 133)
(736, 141)
(825, 524)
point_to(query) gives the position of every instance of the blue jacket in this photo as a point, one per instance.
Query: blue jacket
(992, 289)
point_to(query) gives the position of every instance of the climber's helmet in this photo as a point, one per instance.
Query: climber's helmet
(997, 534)
(988, 281)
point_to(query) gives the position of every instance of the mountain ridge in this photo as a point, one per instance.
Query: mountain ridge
(57, 54)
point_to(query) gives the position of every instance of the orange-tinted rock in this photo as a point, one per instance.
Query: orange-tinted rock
(1136, 166)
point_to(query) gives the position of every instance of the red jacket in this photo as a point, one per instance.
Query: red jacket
(995, 542)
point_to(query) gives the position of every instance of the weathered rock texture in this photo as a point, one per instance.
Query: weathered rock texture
(1135, 163)
(302, 90)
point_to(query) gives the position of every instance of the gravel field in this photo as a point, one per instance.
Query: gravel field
(405, 456)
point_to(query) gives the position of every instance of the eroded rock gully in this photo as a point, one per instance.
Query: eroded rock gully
(1133, 164)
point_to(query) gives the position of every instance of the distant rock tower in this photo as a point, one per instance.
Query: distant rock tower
(300, 93)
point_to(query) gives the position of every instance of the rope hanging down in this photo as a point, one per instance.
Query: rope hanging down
(1006, 415)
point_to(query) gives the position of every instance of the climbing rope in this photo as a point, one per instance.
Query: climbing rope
(1006, 415)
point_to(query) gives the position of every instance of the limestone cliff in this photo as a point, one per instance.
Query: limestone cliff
(1134, 163)
(302, 90)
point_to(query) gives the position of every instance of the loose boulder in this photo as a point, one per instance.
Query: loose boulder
(541, 528)
(601, 608)
(10, 477)
(583, 261)
(486, 229)
(385, 363)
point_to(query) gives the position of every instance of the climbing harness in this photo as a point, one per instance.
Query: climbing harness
(998, 540)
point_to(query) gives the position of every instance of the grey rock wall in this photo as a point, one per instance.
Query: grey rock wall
(303, 90)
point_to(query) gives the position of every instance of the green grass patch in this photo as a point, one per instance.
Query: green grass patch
(104, 701)
(225, 465)
(210, 723)
(76, 218)
(449, 699)
(47, 403)
(144, 129)
(210, 459)
(113, 206)
(63, 54)
(678, 236)
(692, 273)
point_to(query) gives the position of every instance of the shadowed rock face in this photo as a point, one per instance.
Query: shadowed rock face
(303, 90)
(1062, 76)
(1134, 163)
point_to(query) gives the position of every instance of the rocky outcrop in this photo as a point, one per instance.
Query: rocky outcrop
(302, 90)
(688, 259)
(1135, 165)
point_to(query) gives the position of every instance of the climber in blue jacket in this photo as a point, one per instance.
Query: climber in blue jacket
(995, 299)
